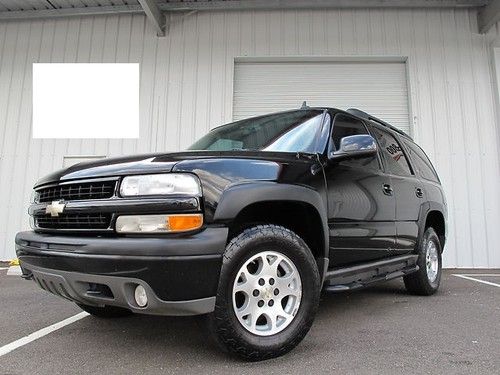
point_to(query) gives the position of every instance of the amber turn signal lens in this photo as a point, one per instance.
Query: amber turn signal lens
(179, 223)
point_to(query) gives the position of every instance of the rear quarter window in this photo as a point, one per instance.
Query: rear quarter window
(421, 162)
(393, 154)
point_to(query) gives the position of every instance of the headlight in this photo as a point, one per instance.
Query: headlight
(160, 184)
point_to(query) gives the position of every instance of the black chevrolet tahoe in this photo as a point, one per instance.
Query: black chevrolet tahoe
(247, 227)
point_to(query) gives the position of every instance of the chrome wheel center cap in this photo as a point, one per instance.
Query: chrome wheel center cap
(267, 293)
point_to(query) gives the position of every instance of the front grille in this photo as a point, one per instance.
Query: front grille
(77, 191)
(69, 221)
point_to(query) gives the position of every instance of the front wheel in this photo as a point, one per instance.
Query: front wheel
(426, 280)
(268, 293)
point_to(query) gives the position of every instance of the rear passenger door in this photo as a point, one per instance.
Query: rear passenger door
(406, 186)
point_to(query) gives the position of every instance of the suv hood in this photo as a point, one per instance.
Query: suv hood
(161, 162)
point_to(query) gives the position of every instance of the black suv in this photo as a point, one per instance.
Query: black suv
(247, 226)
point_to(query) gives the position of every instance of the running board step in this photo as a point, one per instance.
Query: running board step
(362, 275)
(364, 283)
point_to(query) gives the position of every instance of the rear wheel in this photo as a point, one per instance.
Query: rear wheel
(107, 312)
(268, 293)
(426, 281)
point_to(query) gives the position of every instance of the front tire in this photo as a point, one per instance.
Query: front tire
(268, 293)
(426, 280)
(105, 312)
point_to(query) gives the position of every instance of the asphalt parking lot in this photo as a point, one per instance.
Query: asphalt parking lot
(376, 330)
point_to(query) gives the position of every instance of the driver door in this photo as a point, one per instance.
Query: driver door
(361, 206)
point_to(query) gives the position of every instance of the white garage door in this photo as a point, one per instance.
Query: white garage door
(378, 88)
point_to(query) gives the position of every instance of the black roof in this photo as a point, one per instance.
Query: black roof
(367, 116)
(364, 116)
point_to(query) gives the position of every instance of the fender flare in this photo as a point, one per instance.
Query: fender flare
(425, 209)
(236, 197)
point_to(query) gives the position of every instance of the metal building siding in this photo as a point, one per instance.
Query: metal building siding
(187, 88)
(14, 5)
(377, 86)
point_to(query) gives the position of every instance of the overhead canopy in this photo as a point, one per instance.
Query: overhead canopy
(489, 10)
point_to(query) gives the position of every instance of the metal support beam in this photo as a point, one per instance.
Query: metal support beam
(154, 15)
(315, 4)
(70, 12)
(155, 11)
(488, 16)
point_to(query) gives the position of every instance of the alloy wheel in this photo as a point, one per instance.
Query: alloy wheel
(432, 261)
(267, 291)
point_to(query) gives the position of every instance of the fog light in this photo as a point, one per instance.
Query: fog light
(140, 295)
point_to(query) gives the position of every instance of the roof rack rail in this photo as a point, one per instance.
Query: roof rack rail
(367, 116)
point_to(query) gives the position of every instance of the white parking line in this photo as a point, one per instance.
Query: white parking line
(482, 274)
(14, 271)
(477, 280)
(40, 333)
(4, 268)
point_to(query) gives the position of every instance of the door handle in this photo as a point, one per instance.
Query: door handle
(387, 189)
(419, 192)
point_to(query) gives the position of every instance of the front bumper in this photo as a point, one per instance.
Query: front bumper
(180, 274)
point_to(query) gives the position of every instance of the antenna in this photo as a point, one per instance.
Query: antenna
(304, 105)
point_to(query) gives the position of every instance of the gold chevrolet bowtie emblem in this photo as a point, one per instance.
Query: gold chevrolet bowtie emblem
(55, 208)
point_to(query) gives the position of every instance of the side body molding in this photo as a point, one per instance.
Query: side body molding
(237, 197)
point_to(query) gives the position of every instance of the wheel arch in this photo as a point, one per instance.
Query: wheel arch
(297, 208)
(433, 215)
(435, 219)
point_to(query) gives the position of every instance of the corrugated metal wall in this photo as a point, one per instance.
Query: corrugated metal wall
(187, 84)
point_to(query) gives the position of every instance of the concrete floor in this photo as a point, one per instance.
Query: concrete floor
(376, 330)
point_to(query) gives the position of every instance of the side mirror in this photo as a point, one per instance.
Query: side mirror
(354, 146)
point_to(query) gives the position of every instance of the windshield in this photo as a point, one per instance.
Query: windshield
(293, 131)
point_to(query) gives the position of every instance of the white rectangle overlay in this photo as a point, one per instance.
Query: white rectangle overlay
(85, 100)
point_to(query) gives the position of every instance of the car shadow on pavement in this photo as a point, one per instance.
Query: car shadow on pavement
(174, 338)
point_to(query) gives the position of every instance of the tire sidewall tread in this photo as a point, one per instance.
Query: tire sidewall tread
(224, 324)
(418, 282)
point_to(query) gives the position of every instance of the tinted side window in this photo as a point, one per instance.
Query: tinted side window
(421, 162)
(344, 126)
(392, 153)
